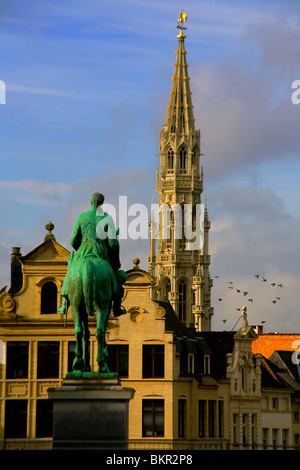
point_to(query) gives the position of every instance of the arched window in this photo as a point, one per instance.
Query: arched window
(182, 159)
(170, 159)
(49, 298)
(182, 301)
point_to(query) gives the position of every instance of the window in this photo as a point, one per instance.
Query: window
(181, 417)
(275, 403)
(264, 403)
(165, 218)
(182, 301)
(254, 429)
(182, 159)
(167, 288)
(274, 438)
(244, 379)
(17, 360)
(265, 437)
(170, 159)
(206, 364)
(201, 417)
(221, 418)
(48, 359)
(211, 418)
(44, 418)
(191, 364)
(285, 436)
(235, 419)
(245, 429)
(183, 226)
(285, 403)
(153, 361)
(118, 359)
(71, 354)
(15, 419)
(153, 418)
(49, 298)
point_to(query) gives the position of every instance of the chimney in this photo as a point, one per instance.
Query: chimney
(16, 276)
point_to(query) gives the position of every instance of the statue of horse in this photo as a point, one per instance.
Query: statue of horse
(94, 283)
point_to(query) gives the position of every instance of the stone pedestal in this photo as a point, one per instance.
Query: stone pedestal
(90, 412)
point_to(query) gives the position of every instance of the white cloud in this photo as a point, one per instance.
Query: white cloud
(42, 91)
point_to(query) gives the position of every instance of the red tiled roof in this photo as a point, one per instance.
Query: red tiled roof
(268, 343)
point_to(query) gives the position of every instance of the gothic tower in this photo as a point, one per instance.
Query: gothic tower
(180, 262)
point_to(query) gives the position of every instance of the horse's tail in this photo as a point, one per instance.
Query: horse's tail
(88, 286)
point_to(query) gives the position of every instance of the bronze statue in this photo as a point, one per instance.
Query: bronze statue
(94, 281)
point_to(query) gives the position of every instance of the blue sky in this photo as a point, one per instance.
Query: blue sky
(87, 85)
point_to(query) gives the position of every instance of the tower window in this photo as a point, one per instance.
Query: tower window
(170, 159)
(182, 159)
(49, 298)
(182, 301)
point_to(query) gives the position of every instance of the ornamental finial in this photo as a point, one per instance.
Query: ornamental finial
(181, 19)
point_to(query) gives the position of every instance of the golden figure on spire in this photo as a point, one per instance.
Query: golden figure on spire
(181, 19)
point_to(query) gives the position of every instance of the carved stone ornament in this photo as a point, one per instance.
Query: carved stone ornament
(160, 313)
(7, 303)
(136, 314)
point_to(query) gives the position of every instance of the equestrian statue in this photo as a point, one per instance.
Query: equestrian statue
(94, 282)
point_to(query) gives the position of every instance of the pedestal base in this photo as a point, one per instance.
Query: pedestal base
(90, 411)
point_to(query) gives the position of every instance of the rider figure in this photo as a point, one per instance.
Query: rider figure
(94, 236)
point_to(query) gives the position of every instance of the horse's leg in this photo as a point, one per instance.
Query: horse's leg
(78, 362)
(102, 354)
(86, 343)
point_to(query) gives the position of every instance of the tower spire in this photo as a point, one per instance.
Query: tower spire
(180, 116)
(180, 264)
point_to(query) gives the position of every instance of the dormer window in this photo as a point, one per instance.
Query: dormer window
(206, 365)
(191, 364)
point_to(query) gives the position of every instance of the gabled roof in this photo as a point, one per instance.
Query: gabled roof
(284, 360)
(272, 376)
(137, 276)
(48, 250)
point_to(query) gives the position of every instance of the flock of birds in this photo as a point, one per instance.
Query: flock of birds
(246, 293)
